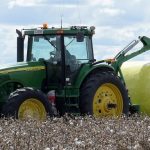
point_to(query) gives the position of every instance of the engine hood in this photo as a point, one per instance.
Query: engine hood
(24, 74)
(21, 66)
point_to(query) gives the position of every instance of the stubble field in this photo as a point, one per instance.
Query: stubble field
(75, 133)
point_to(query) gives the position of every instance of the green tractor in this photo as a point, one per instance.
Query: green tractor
(56, 74)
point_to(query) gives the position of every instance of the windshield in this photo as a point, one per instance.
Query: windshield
(82, 51)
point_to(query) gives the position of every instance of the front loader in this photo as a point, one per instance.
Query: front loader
(56, 73)
(136, 74)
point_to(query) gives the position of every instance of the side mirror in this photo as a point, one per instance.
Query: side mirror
(80, 37)
(20, 46)
(20, 49)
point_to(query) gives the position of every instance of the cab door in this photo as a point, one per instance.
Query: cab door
(47, 49)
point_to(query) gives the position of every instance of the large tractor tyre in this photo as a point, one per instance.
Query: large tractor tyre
(27, 103)
(103, 94)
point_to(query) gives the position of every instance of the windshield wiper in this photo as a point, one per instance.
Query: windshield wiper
(50, 42)
(70, 42)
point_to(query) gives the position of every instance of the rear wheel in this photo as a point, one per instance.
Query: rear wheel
(103, 94)
(27, 103)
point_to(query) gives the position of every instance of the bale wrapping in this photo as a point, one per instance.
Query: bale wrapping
(137, 78)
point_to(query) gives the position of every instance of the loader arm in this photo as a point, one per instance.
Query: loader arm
(122, 56)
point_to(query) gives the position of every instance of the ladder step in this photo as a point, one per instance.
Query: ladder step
(72, 105)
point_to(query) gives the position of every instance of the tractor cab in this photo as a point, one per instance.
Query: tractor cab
(62, 50)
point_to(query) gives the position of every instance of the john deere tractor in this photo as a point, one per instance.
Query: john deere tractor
(56, 73)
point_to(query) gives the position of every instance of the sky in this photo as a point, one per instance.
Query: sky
(117, 22)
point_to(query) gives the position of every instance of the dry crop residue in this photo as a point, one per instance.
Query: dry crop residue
(75, 133)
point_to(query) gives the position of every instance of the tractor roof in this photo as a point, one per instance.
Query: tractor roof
(73, 30)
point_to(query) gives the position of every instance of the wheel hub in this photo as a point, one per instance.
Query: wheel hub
(111, 106)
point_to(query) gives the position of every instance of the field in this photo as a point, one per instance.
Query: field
(73, 133)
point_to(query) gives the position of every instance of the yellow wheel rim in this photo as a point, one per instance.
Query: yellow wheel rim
(32, 108)
(107, 101)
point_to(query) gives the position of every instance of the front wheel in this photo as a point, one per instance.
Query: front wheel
(103, 94)
(27, 103)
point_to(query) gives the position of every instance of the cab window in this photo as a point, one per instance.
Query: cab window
(43, 47)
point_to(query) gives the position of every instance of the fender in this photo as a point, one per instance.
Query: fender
(88, 69)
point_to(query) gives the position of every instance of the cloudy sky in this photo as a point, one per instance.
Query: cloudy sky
(117, 22)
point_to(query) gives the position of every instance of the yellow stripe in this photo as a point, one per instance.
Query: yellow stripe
(23, 69)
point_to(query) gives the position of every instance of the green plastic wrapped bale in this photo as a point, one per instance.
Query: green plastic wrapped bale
(137, 77)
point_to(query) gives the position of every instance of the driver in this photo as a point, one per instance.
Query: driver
(56, 53)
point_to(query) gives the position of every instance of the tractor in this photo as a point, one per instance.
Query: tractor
(56, 73)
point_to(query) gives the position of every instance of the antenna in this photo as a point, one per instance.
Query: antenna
(61, 21)
(61, 13)
(79, 12)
